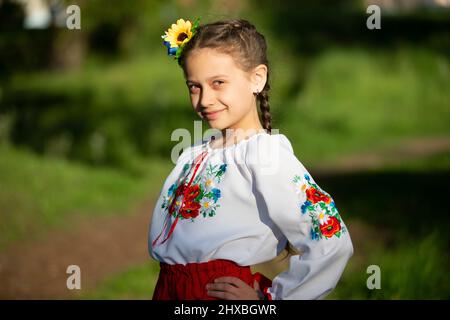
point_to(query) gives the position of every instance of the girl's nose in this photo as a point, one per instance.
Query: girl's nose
(207, 98)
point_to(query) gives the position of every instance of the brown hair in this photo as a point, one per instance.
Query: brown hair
(240, 39)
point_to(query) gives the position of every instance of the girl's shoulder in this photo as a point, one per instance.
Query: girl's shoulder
(252, 142)
(277, 139)
(272, 155)
(268, 144)
(261, 146)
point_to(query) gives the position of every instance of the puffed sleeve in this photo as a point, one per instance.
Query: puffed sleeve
(305, 214)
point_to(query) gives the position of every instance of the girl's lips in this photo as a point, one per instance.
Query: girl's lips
(212, 115)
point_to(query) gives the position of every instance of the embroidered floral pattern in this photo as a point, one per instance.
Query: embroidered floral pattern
(201, 197)
(325, 218)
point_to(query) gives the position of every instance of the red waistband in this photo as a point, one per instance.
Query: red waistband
(175, 278)
(213, 265)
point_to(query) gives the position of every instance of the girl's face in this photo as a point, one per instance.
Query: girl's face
(221, 92)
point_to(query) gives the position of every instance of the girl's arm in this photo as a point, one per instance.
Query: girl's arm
(305, 214)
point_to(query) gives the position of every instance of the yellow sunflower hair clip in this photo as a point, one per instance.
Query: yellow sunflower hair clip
(178, 35)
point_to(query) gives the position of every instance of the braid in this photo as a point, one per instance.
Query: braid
(264, 105)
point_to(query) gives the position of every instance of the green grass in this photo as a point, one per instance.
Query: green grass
(413, 269)
(37, 193)
(135, 283)
(138, 82)
(354, 100)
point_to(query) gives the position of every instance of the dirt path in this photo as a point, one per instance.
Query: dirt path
(104, 246)
(394, 155)
(100, 247)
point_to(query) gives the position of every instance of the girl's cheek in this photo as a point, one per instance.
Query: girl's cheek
(194, 100)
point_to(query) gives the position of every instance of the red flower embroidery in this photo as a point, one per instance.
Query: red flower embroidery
(192, 192)
(331, 227)
(315, 196)
(186, 194)
(189, 207)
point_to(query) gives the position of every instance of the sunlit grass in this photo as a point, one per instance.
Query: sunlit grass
(40, 192)
(355, 100)
(134, 283)
(412, 269)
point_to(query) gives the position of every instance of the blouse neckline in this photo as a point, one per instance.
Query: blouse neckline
(245, 140)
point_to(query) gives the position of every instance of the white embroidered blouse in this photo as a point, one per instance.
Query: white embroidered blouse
(243, 203)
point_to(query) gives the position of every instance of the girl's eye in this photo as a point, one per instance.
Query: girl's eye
(193, 88)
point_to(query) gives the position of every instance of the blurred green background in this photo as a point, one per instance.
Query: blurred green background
(86, 117)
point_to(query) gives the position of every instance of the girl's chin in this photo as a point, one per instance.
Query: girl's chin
(214, 125)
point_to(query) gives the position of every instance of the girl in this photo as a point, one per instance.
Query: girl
(240, 197)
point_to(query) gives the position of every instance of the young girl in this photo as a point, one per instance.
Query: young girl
(239, 198)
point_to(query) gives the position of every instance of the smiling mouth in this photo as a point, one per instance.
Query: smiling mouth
(212, 114)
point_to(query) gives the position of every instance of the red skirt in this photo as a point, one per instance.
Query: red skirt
(188, 282)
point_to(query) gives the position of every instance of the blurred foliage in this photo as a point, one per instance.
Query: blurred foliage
(15, 42)
(311, 27)
(38, 193)
(118, 97)
(134, 283)
(361, 100)
(104, 117)
(348, 96)
(413, 269)
(100, 105)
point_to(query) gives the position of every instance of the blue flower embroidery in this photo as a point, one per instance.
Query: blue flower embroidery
(305, 206)
(172, 189)
(215, 194)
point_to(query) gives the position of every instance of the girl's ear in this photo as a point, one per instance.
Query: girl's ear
(259, 78)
